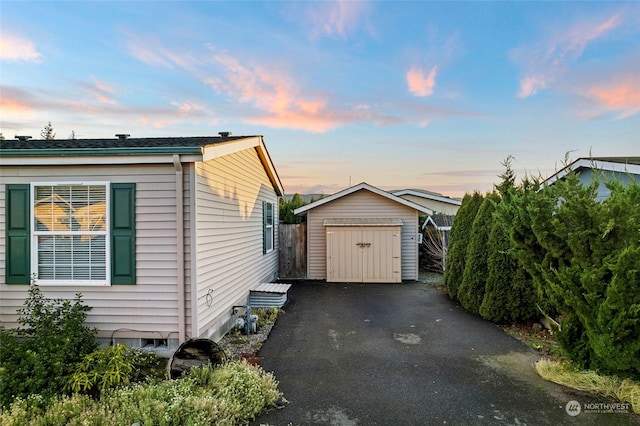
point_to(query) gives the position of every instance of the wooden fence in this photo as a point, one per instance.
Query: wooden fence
(293, 250)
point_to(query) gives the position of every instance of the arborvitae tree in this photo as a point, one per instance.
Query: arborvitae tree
(458, 242)
(287, 208)
(532, 206)
(474, 280)
(509, 294)
(47, 132)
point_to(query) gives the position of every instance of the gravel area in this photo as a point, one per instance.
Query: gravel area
(240, 346)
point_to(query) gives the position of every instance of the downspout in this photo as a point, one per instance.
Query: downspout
(180, 249)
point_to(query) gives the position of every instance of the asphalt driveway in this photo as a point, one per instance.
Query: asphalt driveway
(389, 354)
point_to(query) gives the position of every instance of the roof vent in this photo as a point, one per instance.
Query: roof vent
(23, 138)
(122, 136)
(224, 134)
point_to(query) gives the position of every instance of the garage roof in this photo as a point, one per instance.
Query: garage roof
(362, 221)
(367, 187)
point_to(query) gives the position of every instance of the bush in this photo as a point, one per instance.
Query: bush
(39, 357)
(474, 278)
(459, 239)
(231, 394)
(591, 248)
(509, 293)
(532, 208)
(287, 207)
(111, 367)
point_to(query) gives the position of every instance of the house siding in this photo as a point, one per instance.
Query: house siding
(229, 258)
(147, 309)
(360, 204)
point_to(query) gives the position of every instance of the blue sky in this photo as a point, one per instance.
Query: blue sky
(420, 94)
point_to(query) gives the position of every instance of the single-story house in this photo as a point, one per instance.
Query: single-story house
(434, 201)
(161, 236)
(363, 234)
(623, 169)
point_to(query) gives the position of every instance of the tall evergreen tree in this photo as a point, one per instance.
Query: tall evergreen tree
(528, 208)
(459, 239)
(474, 279)
(509, 294)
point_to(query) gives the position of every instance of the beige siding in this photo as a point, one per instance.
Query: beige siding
(361, 204)
(229, 259)
(149, 307)
(435, 205)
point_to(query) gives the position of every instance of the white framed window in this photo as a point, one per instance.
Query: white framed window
(70, 233)
(269, 219)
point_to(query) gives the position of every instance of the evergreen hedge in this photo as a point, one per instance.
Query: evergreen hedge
(458, 242)
(474, 279)
(560, 249)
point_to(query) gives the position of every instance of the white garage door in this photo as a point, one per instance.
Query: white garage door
(367, 252)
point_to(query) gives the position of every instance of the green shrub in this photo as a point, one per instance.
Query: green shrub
(111, 367)
(474, 277)
(266, 316)
(459, 240)
(287, 207)
(589, 248)
(617, 336)
(39, 357)
(509, 293)
(102, 369)
(531, 207)
(231, 394)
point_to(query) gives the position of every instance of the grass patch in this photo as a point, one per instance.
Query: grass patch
(231, 394)
(562, 372)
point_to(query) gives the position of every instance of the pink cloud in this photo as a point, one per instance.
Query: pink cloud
(281, 102)
(100, 91)
(17, 48)
(544, 63)
(617, 95)
(420, 84)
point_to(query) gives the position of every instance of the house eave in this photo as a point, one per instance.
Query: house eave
(86, 152)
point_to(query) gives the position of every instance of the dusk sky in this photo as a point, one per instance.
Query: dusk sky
(430, 95)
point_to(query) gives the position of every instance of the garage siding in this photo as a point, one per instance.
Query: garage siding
(360, 204)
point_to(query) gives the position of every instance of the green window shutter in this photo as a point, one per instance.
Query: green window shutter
(264, 227)
(18, 227)
(123, 233)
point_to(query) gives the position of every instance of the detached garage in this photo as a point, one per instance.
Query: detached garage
(363, 234)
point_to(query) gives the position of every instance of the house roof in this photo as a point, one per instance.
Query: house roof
(439, 221)
(430, 195)
(202, 148)
(115, 146)
(359, 187)
(613, 164)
